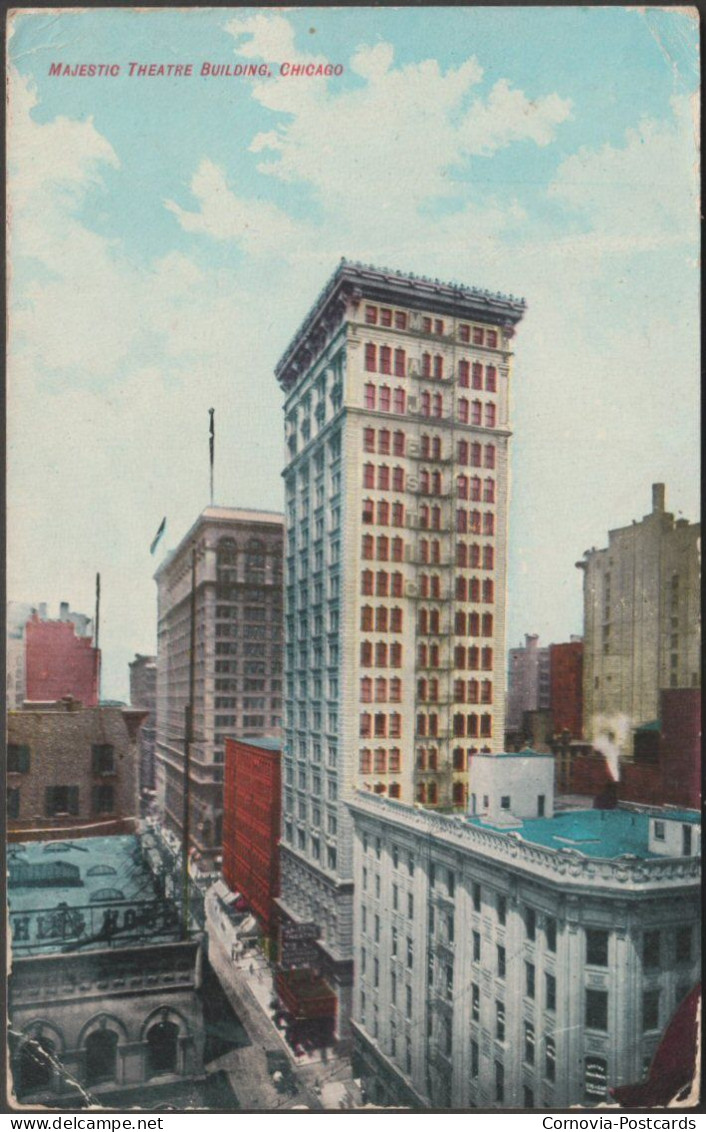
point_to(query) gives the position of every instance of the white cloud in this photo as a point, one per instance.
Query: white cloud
(640, 192)
(260, 227)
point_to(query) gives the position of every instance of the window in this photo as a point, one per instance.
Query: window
(13, 802)
(384, 442)
(505, 802)
(530, 924)
(682, 944)
(370, 357)
(475, 1002)
(476, 413)
(385, 359)
(476, 896)
(651, 949)
(369, 396)
(550, 933)
(650, 1010)
(398, 444)
(492, 339)
(400, 320)
(596, 948)
(400, 363)
(368, 475)
(60, 800)
(438, 366)
(103, 800)
(596, 1009)
(464, 373)
(101, 1056)
(499, 1081)
(530, 980)
(410, 954)
(550, 992)
(475, 1060)
(490, 416)
(385, 402)
(476, 947)
(491, 376)
(371, 315)
(162, 1048)
(18, 758)
(501, 905)
(501, 961)
(368, 439)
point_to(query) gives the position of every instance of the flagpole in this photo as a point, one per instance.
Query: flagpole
(211, 445)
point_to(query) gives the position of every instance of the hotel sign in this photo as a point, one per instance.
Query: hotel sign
(298, 945)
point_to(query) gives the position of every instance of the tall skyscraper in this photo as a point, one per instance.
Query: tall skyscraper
(396, 415)
(238, 658)
(641, 622)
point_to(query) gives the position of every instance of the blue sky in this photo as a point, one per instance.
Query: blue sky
(168, 235)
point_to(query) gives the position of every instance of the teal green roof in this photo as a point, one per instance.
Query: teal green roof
(594, 833)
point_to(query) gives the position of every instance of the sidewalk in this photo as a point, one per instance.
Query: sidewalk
(248, 982)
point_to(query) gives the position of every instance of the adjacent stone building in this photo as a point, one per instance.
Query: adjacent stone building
(102, 995)
(641, 623)
(238, 658)
(527, 681)
(514, 960)
(59, 662)
(71, 770)
(397, 431)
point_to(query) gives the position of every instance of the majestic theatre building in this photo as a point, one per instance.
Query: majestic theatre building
(397, 429)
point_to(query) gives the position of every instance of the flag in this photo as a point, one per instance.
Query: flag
(211, 445)
(157, 537)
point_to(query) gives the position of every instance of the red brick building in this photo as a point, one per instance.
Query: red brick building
(251, 823)
(566, 686)
(667, 771)
(59, 663)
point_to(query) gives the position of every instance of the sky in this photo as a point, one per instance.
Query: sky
(167, 235)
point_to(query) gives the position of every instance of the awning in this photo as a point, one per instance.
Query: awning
(305, 995)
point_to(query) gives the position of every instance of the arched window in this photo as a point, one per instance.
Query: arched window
(381, 619)
(457, 793)
(162, 1048)
(381, 654)
(366, 582)
(383, 512)
(365, 725)
(366, 690)
(473, 625)
(421, 792)
(459, 657)
(473, 655)
(366, 653)
(489, 491)
(473, 691)
(366, 618)
(474, 590)
(380, 725)
(424, 481)
(461, 588)
(368, 475)
(436, 448)
(368, 511)
(383, 549)
(460, 624)
(368, 546)
(421, 689)
(398, 514)
(101, 1051)
(366, 760)
(381, 583)
(33, 1064)
(380, 690)
(395, 725)
(397, 549)
(421, 724)
(472, 725)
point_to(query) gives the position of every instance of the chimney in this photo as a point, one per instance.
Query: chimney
(657, 497)
(64, 611)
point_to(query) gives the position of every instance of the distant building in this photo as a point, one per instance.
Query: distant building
(60, 666)
(238, 658)
(665, 767)
(71, 770)
(102, 996)
(527, 681)
(252, 805)
(518, 958)
(566, 687)
(143, 694)
(641, 623)
(60, 663)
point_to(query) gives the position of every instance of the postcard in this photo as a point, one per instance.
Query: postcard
(353, 683)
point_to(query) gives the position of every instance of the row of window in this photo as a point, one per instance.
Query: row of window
(471, 376)
(475, 413)
(381, 619)
(382, 583)
(387, 442)
(384, 514)
(467, 333)
(382, 548)
(472, 522)
(388, 401)
(476, 455)
(381, 655)
(380, 725)
(102, 758)
(385, 360)
(380, 761)
(62, 801)
(386, 478)
(384, 690)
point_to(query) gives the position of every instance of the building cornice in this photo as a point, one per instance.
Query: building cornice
(354, 282)
(567, 868)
